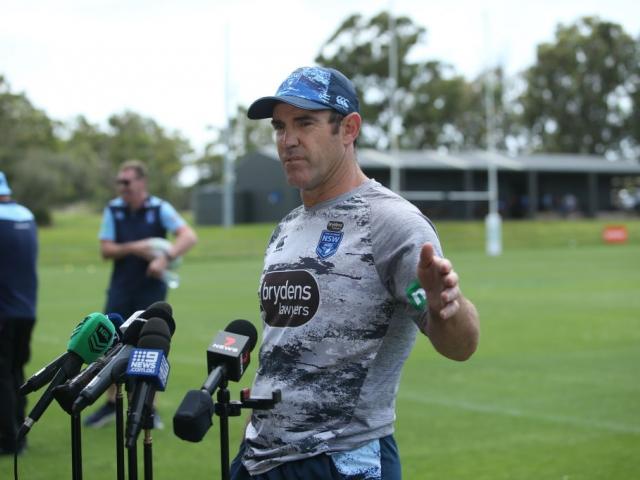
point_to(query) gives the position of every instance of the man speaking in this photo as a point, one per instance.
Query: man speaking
(349, 279)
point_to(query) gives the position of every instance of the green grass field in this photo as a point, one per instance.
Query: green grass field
(552, 393)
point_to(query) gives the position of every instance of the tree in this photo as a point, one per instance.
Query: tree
(579, 92)
(133, 136)
(241, 137)
(27, 134)
(432, 99)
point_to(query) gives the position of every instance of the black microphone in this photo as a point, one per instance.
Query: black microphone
(68, 393)
(44, 375)
(116, 366)
(157, 309)
(227, 359)
(117, 321)
(148, 369)
(90, 339)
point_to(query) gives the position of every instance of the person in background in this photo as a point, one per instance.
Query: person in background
(349, 279)
(18, 296)
(131, 225)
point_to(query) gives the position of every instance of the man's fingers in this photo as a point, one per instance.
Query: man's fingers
(451, 280)
(449, 310)
(450, 294)
(444, 266)
(427, 253)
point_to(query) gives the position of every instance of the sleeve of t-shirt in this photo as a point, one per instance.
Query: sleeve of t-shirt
(107, 227)
(170, 218)
(399, 230)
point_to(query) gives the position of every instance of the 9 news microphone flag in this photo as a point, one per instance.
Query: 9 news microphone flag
(148, 370)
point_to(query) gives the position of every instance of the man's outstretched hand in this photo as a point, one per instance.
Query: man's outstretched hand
(452, 325)
(440, 282)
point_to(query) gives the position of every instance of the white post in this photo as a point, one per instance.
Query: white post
(394, 172)
(228, 170)
(493, 221)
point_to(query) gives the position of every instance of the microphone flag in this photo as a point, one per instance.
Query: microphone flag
(151, 364)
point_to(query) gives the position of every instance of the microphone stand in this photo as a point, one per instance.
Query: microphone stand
(132, 451)
(223, 409)
(226, 408)
(119, 432)
(147, 425)
(133, 462)
(76, 447)
(148, 444)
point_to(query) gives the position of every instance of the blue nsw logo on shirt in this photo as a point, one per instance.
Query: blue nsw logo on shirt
(328, 243)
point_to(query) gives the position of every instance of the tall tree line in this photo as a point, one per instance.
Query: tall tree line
(581, 95)
(52, 164)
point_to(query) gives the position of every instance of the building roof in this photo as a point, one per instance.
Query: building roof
(479, 160)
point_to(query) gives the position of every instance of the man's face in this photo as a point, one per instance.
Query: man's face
(130, 186)
(309, 147)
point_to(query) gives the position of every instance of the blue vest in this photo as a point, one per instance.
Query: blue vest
(18, 257)
(130, 272)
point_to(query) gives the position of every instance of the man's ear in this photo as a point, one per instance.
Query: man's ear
(350, 127)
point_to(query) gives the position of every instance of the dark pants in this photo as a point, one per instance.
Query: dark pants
(320, 467)
(15, 339)
(127, 303)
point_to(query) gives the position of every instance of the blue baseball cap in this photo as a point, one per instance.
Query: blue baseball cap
(4, 185)
(310, 88)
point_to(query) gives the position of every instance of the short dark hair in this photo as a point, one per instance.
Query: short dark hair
(335, 119)
(136, 165)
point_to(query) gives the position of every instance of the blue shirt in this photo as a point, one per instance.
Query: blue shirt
(18, 257)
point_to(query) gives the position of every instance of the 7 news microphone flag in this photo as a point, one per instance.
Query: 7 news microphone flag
(227, 359)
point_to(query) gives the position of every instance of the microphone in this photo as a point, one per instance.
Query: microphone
(112, 371)
(157, 309)
(149, 370)
(227, 359)
(45, 374)
(117, 321)
(90, 339)
(67, 393)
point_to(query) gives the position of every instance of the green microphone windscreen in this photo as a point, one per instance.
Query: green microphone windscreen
(92, 337)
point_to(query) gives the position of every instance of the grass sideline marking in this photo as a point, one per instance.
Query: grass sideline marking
(512, 412)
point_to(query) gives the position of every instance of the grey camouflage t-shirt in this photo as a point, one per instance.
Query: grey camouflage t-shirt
(338, 324)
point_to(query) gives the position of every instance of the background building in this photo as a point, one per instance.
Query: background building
(447, 186)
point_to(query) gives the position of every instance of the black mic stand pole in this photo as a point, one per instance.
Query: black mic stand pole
(132, 451)
(226, 408)
(133, 462)
(222, 410)
(76, 447)
(148, 444)
(119, 432)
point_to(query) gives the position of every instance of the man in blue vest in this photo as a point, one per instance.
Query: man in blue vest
(18, 290)
(130, 224)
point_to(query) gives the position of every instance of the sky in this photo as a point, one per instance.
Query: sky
(188, 63)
